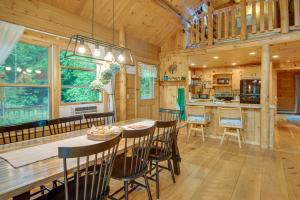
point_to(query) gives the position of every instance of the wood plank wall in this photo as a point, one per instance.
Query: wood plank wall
(40, 16)
(286, 90)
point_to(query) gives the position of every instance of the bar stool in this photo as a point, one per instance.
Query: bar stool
(232, 121)
(196, 116)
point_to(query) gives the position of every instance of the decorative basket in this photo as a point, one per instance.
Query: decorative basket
(103, 136)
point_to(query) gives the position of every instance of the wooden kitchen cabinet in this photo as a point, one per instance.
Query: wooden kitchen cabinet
(236, 77)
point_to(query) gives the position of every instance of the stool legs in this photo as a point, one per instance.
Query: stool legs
(223, 136)
(192, 127)
(238, 135)
(202, 130)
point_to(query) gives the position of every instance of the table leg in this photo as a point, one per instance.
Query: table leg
(176, 156)
(24, 196)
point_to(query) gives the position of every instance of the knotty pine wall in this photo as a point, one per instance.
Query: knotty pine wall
(40, 16)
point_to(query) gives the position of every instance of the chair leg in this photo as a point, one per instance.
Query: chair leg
(171, 170)
(148, 188)
(222, 140)
(202, 130)
(157, 180)
(126, 189)
(239, 137)
(189, 126)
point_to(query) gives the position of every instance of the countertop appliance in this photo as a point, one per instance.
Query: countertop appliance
(250, 91)
(223, 81)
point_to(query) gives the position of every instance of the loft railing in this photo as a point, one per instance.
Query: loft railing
(16, 115)
(248, 19)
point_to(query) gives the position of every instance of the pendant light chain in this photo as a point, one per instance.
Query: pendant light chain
(93, 18)
(114, 22)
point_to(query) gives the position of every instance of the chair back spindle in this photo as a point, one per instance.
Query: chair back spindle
(99, 119)
(96, 163)
(136, 152)
(169, 114)
(162, 143)
(22, 132)
(64, 124)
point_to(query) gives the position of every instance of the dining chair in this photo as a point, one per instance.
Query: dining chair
(95, 162)
(21, 132)
(64, 124)
(169, 114)
(231, 120)
(99, 119)
(197, 118)
(161, 150)
(132, 163)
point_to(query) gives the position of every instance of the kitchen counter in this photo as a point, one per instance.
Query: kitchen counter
(223, 104)
(250, 113)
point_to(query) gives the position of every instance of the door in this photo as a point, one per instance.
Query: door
(297, 94)
(147, 92)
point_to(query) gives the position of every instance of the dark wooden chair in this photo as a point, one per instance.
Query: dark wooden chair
(133, 162)
(161, 150)
(21, 132)
(99, 119)
(64, 124)
(169, 114)
(95, 162)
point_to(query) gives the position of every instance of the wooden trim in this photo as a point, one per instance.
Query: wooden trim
(79, 103)
(254, 22)
(262, 15)
(243, 20)
(79, 68)
(284, 16)
(56, 82)
(297, 12)
(270, 15)
(23, 85)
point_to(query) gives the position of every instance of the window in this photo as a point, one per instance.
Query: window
(24, 85)
(147, 75)
(76, 77)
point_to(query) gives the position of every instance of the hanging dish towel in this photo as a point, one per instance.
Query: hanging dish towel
(181, 102)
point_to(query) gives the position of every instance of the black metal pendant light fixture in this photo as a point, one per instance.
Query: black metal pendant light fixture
(89, 49)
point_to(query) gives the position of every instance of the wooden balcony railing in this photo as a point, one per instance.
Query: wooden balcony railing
(248, 19)
(23, 114)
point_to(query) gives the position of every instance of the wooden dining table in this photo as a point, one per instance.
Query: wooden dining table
(17, 182)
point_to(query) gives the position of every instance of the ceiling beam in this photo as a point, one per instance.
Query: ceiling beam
(161, 11)
(169, 7)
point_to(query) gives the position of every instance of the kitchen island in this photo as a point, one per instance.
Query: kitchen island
(251, 114)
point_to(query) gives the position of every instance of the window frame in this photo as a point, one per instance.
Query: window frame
(153, 83)
(49, 82)
(61, 86)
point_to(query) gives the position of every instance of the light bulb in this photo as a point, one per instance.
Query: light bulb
(8, 68)
(109, 56)
(97, 52)
(81, 49)
(19, 69)
(38, 71)
(29, 70)
(121, 58)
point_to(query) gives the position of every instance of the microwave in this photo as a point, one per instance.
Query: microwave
(223, 81)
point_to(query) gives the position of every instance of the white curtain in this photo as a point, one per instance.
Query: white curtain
(10, 34)
(108, 88)
(147, 70)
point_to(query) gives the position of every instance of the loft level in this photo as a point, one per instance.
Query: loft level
(243, 21)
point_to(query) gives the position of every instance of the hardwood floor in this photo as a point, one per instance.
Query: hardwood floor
(287, 137)
(210, 172)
